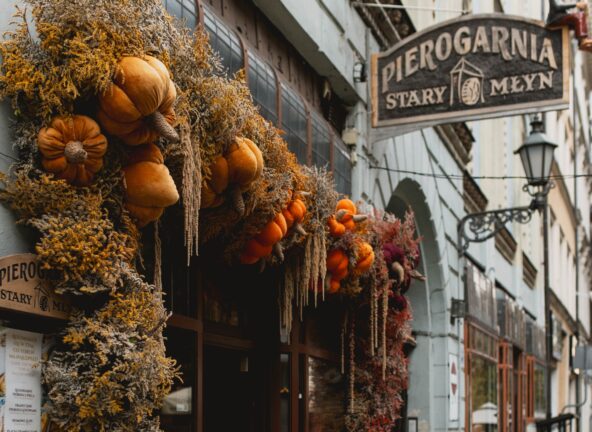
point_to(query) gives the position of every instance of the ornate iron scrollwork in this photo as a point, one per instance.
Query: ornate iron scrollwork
(478, 227)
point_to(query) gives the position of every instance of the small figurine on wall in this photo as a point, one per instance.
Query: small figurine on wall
(559, 16)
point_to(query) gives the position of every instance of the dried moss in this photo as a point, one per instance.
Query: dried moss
(110, 372)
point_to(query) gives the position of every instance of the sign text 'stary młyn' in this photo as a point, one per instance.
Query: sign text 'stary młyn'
(24, 289)
(473, 67)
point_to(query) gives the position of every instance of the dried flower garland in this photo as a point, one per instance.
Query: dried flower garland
(110, 371)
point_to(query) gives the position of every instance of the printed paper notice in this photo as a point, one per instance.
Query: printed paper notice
(22, 412)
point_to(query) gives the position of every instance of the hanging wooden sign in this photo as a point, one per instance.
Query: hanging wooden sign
(473, 67)
(24, 289)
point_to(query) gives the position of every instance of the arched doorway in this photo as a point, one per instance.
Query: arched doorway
(429, 327)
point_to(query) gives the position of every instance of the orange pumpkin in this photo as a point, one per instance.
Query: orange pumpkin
(72, 148)
(365, 258)
(336, 229)
(149, 187)
(213, 188)
(337, 269)
(294, 214)
(138, 108)
(266, 242)
(345, 218)
(237, 169)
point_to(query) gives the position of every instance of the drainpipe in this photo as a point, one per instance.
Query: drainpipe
(577, 245)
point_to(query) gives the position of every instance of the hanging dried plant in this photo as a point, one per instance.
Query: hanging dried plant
(110, 371)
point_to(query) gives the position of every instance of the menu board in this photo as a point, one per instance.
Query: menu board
(20, 371)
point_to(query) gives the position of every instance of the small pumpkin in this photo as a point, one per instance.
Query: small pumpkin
(72, 148)
(236, 170)
(294, 214)
(138, 108)
(345, 218)
(336, 229)
(365, 258)
(213, 188)
(149, 188)
(337, 269)
(266, 241)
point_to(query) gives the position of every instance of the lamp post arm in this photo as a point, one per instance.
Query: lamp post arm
(479, 227)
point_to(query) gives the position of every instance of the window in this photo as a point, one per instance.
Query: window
(321, 141)
(342, 168)
(483, 395)
(177, 411)
(537, 405)
(263, 87)
(295, 123)
(482, 375)
(185, 10)
(326, 387)
(225, 42)
(312, 394)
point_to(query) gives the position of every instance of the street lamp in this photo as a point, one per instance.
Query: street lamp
(536, 155)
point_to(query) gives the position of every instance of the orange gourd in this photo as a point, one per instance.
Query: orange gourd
(72, 148)
(149, 187)
(336, 229)
(345, 218)
(236, 170)
(337, 269)
(138, 108)
(266, 241)
(294, 214)
(365, 258)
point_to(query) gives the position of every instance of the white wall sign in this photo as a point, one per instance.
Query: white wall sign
(22, 410)
(454, 390)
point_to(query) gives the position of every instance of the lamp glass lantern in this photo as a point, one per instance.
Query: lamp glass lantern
(536, 155)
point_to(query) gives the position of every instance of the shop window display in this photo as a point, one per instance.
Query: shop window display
(483, 395)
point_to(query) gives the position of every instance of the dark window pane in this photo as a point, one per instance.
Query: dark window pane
(177, 408)
(321, 141)
(284, 392)
(294, 123)
(341, 167)
(225, 42)
(326, 390)
(185, 10)
(540, 401)
(263, 87)
(178, 280)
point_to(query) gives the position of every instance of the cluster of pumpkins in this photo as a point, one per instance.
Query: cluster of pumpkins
(268, 239)
(338, 263)
(138, 110)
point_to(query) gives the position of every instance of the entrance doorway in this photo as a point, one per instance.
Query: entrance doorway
(229, 390)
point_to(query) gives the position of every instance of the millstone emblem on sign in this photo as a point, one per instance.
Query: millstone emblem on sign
(473, 67)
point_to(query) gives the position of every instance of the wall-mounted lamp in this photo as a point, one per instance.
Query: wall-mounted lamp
(458, 309)
(360, 74)
(350, 137)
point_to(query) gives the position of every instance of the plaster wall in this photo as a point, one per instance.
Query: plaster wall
(13, 239)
